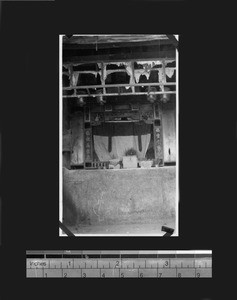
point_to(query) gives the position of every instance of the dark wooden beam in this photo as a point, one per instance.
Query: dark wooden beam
(100, 86)
(119, 94)
(120, 57)
(70, 46)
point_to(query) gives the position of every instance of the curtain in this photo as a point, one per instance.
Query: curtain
(111, 140)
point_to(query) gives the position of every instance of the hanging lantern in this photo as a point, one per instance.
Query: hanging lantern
(151, 96)
(99, 97)
(165, 97)
(80, 101)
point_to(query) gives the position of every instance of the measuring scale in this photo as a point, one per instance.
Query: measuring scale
(119, 264)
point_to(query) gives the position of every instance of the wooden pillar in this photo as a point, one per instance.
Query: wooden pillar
(169, 130)
(88, 146)
(66, 151)
(158, 135)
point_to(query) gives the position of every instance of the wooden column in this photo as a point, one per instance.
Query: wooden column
(66, 132)
(133, 77)
(169, 131)
(103, 72)
(158, 135)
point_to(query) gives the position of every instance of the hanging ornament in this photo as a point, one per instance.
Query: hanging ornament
(80, 101)
(151, 96)
(99, 97)
(165, 97)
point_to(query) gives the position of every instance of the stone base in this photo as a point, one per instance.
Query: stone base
(119, 197)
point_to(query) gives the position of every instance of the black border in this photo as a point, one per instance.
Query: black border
(29, 120)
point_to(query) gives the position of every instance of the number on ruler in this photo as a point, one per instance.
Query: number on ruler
(122, 275)
(45, 275)
(179, 275)
(198, 275)
(141, 275)
(103, 275)
(117, 264)
(65, 275)
(166, 263)
(160, 274)
(84, 275)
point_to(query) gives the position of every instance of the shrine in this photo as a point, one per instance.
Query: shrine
(118, 131)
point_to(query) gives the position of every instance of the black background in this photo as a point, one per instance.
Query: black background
(29, 107)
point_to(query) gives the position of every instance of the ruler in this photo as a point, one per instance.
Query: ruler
(119, 264)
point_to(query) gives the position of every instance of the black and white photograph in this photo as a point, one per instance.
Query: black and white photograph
(113, 135)
(118, 130)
